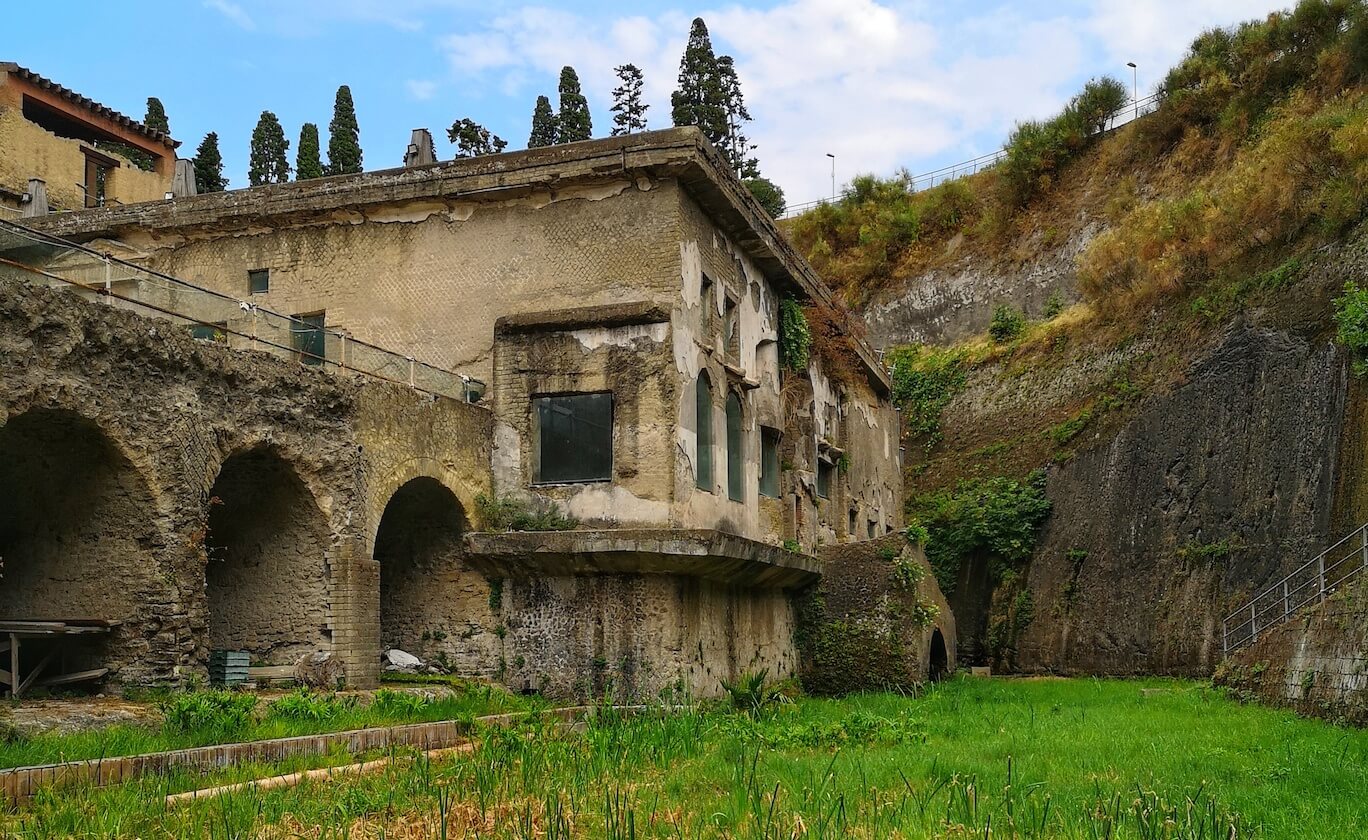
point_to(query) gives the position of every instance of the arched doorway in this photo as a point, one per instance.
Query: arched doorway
(77, 536)
(266, 579)
(939, 664)
(418, 547)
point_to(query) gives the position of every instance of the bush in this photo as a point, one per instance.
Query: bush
(509, 513)
(751, 694)
(1351, 324)
(997, 517)
(216, 712)
(768, 193)
(1007, 323)
(1037, 151)
(924, 382)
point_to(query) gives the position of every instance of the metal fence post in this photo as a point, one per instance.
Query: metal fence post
(1364, 533)
(342, 353)
(1287, 606)
(109, 279)
(1253, 622)
(410, 361)
(1320, 574)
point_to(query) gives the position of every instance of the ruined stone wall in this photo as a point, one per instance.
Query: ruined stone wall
(813, 413)
(430, 278)
(1317, 663)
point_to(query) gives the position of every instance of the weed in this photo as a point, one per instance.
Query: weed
(508, 513)
(1007, 323)
(218, 712)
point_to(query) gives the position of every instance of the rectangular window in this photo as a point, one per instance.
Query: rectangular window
(854, 517)
(705, 320)
(732, 331)
(824, 471)
(258, 281)
(872, 529)
(573, 438)
(769, 462)
(210, 332)
(308, 336)
(97, 169)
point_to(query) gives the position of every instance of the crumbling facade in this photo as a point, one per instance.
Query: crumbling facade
(622, 299)
(64, 151)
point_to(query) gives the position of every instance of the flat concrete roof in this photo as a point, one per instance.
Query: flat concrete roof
(681, 153)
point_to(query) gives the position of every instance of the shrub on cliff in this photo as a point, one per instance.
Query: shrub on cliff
(1351, 323)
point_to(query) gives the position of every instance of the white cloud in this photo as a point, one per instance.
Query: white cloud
(878, 83)
(232, 11)
(421, 89)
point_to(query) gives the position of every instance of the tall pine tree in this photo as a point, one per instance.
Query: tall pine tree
(209, 166)
(629, 112)
(474, 140)
(735, 146)
(268, 163)
(156, 116)
(699, 100)
(574, 122)
(543, 125)
(308, 164)
(344, 136)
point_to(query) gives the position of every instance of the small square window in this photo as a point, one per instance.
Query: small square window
(573, 438)
(258, 281)
(769, 462)
(824, 471)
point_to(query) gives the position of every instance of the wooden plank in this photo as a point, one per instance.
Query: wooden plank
(271, 672)
(14, 664)
(33, 674)
(79, 676)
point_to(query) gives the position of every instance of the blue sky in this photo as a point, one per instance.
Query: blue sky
(879, 83)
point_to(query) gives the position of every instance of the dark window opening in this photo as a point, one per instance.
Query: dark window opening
(732, 331)
(872, 529)
(769, 462)
(574, 438)
(854, 517)
(97, 169)
(703, 419)
(210, 332)
(706, 301)
(735, 447)
(308, 336)
(824, 471)
(258, 281)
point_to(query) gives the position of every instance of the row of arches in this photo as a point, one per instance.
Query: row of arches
(82, 537)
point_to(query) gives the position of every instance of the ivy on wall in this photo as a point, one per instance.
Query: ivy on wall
(795, 336)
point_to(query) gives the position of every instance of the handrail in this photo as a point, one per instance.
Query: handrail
(1133, 110)
(1311, 582)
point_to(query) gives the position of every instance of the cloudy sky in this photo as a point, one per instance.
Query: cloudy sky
(878, 83)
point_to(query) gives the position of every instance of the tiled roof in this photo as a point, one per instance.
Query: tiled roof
(89, 104)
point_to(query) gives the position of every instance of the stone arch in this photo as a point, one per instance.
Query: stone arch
(419, 551)
(78, 536)
(938, 660)
(266, 576)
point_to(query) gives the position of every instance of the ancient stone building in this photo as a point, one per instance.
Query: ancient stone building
(622, 300)
(61, 149)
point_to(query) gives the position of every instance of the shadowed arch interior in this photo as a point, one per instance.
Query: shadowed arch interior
(78, 537)
(939, 666)
(418, 547)
(266, 579)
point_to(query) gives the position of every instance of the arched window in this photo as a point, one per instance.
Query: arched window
(703, 419)
(734, 448)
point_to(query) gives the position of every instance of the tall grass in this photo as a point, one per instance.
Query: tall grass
(1020, 759)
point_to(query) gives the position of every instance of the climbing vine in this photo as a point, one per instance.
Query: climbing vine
(795, 336)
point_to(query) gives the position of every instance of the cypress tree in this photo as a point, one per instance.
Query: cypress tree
(543, 125)
(474, 140)
(307, 162)
(735, 145)
(629, 112)
(574, 122)
(699, 100)
(209, 166)
(344, 136)
(268, 163)
(156, 116)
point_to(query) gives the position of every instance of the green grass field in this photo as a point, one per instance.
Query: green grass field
(971, 758)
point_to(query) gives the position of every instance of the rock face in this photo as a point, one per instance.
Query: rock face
(1204, 496)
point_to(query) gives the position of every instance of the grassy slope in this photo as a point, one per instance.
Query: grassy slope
(870, 765)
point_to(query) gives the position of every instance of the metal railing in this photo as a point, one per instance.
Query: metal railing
(212, 316)
(1309, 584)
(1134, 109)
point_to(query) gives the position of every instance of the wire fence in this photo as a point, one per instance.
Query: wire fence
(1134, 109)
(1310, 584)
(215, 317)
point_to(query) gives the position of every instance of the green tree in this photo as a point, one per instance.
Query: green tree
(474, 140)
(699, 98)
(768, 193)
(543, 125)
(308, 164)
(268, 163)
(735, 146)
(344, 136)
(574, 122)
(629, 112)
(156, 116)
(209, 166)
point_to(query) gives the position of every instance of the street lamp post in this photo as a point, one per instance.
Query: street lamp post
(1135, 86)
(833, 175)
